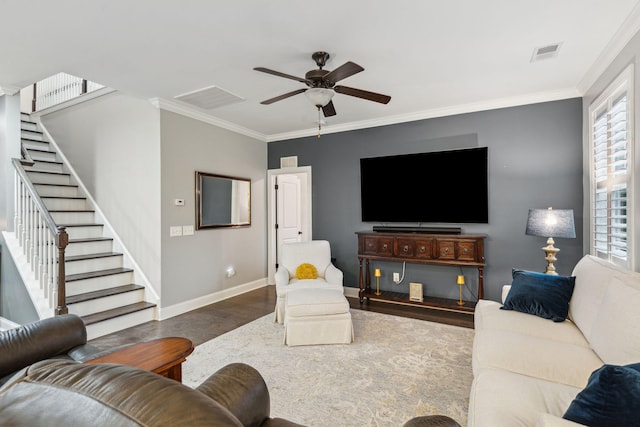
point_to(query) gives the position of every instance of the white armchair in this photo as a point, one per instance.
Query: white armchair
(292, 255)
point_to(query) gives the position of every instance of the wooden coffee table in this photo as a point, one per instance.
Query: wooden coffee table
(163, 356)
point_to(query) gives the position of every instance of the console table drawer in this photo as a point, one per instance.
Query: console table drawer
(424, 249)
(446, 249)
(405, 248)
(378, 246)
(466, 251)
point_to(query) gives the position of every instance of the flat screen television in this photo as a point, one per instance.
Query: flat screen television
(442, 186)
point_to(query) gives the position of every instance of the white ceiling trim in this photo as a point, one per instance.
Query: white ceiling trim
(433, 113)
(625, 33)
(190, 112)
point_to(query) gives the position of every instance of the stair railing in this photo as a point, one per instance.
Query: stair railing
(42, 241)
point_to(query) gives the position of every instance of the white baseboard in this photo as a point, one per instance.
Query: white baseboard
(351, 292)
(183, 307)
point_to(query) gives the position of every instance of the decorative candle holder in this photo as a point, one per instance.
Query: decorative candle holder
(460, 282)
(377, 273)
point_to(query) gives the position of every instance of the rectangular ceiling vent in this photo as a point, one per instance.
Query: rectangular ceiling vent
(545, 52)
(209, 98)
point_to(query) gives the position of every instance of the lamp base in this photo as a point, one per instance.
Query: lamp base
(550, 252)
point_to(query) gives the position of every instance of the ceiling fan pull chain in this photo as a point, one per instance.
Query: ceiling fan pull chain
(319, 122)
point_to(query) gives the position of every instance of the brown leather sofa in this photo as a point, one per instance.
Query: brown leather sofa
(64, 391)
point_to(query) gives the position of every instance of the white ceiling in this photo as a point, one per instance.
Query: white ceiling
(433, 57)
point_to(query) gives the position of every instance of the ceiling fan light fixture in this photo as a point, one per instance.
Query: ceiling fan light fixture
(319, 96)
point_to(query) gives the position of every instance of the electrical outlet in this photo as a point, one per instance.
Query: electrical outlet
(396, 277)
(175, 231)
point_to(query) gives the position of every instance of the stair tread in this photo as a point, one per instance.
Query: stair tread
(92, 256)
(55, 185)
(28, 121)
(49, 172)
(64, 197)
(90, 239)
(40, 150)
(94, 274)
(87, 224)
(48, 161)
(34, 131)
(71, 210)
(88, 296)
(120, 311)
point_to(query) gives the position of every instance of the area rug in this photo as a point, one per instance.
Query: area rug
(396, 369)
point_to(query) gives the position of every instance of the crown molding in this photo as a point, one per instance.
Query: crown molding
(621, 38)
(494, 104)
(192, 113)
(9, 90)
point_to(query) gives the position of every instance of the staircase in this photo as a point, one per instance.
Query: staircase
(99, 287)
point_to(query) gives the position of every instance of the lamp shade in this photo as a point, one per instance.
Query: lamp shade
(460, 280)
(377, 272)
(319, 96)
(551, 223)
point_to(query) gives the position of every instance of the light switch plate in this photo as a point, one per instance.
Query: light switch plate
(175, 231)
(179, 202)
(187, 230)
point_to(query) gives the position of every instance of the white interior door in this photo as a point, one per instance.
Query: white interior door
(289, 211)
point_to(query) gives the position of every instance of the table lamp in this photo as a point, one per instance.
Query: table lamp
(460, 281)
(377, 273)
(551, 223)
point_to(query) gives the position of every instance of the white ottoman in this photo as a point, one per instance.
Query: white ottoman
(317, 316)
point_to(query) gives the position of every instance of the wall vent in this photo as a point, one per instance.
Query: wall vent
(209, 98)
(289, 162)
(545, 52)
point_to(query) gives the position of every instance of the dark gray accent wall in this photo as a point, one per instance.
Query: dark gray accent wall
(535, 161)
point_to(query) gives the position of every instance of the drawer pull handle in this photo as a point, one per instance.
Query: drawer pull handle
(384, 246)
(465, 250)
(406, 248)
(422, 248)
(446, 250)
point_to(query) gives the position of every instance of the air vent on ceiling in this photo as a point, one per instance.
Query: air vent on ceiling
(209, 98)
(545, 52)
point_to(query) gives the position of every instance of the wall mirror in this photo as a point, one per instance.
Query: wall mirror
(222, 201)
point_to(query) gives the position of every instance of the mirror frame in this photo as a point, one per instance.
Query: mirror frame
(200, 176)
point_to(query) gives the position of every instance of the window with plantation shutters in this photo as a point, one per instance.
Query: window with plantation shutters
(611, 172)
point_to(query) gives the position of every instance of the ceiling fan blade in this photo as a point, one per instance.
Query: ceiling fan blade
(283, 96)
(347, 69)
(329, 110)
(359, 93)
(279, 74)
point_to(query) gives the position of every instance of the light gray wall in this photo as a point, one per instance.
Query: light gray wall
(15, 302)
(629, 55)
(113, 143)
(535, 161)
(194, 266)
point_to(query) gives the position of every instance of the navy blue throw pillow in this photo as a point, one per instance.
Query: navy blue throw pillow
(610, 399)
(541, 294)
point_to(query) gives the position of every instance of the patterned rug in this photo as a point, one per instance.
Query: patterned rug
(396, 369)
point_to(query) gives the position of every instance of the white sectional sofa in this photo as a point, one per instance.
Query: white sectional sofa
(528, 369)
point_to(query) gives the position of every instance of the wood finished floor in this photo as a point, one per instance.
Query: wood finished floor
(208, 322)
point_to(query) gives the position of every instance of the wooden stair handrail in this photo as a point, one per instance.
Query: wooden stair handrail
(61, 237)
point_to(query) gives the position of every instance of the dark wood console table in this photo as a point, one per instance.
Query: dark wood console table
(455, 250)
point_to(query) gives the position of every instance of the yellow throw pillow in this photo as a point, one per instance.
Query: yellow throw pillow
(306, 271)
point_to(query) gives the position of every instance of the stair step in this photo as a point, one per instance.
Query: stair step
(56, 190)
(83, 231)
(65, 204)
(84, 263)
(49, 177)
(89, 245)
(103, 293)
(37, 154)
(91, 256)
(72, 216)
(94, 274)
(116, 312)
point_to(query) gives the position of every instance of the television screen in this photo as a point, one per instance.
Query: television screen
(443, 186)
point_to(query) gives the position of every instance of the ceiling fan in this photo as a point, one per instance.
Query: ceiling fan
(322, 85)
